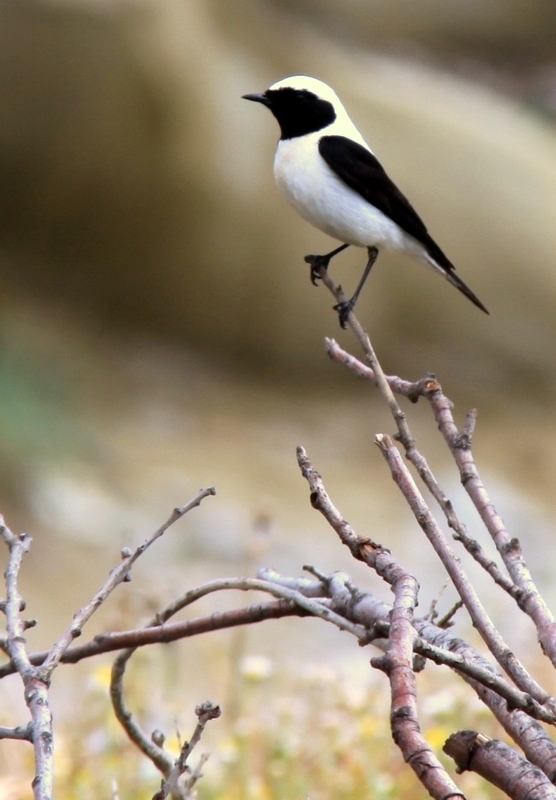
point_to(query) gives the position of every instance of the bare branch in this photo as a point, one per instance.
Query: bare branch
(400, 386)
(398, 665)
(173, 786)
(499, 765)
(20, 732)
(117, 576)
(488, 631)
(525, 731)
(156, 753)
(372, 613)
(36, 678)
(170, 632)
(35, 683)
(413, 391)
(306, 586)
(488, 678)
(145, 743)
(521, 586)
(529, 598)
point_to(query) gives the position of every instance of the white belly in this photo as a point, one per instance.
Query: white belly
(322, 199)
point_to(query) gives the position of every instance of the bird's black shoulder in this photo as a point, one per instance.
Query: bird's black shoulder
(361, 170)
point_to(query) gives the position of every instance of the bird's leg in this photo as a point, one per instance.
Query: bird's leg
(344, 308)
(321, 262)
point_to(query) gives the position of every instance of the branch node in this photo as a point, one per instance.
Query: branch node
(462, 441)
(158, 738)
(208, 710)
(461, 746)
(382, 663)
(314, 499)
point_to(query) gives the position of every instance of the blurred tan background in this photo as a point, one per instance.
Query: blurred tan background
(158, 331)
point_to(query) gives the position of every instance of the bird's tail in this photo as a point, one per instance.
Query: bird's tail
(456, 281)
(436, 259)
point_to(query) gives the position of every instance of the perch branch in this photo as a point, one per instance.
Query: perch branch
(520, 585)
(413, 391)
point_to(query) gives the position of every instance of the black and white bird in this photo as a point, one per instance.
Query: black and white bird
(333, 179)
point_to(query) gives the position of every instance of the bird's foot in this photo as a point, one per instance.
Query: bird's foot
(318, 264)
(344, 309)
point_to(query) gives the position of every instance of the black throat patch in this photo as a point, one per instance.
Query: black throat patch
(299, 111)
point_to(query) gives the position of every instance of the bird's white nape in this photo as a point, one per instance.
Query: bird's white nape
(332, 178)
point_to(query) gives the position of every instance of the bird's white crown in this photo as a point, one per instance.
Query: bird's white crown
(343, 124)
(319, 88)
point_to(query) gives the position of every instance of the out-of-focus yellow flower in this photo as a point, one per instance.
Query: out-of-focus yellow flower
(257, 668)
(100, 677)
(436, 736)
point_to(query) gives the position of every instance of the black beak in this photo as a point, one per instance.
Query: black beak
(257, 98)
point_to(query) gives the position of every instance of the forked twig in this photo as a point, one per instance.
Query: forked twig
(481, 620)
(174, 785)
(117, 576)
(36, 677)
(520, 585)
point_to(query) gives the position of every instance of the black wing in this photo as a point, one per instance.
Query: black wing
(362, 172)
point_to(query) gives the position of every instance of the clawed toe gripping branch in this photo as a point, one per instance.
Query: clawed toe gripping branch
(405, 642)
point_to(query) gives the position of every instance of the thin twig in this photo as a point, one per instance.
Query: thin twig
(413, 391)
(195, 776)
(24, 733)
(145, 743)
(310, 605)
(520, 585)
(117, 576)
(35, 682)
(486, 628)
(529, 598)
(433, 613)
(171, 785)
(446, 620)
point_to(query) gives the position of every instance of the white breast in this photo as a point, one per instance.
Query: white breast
(324, 200)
